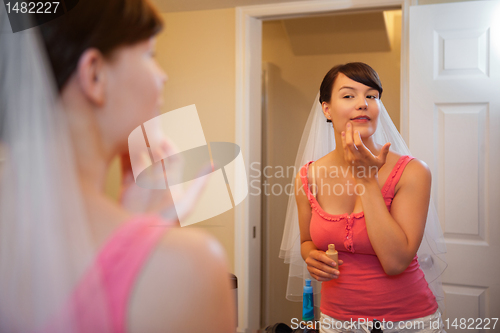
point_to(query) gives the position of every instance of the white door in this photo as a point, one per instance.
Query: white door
(454, 126)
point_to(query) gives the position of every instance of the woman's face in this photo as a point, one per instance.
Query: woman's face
(134, 85)
(350, 100)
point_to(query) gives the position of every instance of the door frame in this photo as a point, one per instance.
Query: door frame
(248, 127)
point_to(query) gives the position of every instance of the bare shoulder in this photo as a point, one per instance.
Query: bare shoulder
(319, 168)
(416, 172)
(299, 185)
(185, 278)
(392, 159)
(415, 165)
(191, 241)
(300, 193)
(323, 161)
(417, 168)
(301, 190)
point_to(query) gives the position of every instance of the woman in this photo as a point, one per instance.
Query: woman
(372, 203)
(72, 260)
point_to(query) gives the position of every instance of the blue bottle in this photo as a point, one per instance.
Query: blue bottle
(308, 302)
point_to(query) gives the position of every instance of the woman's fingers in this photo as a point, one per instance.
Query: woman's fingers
(361, 146)
(356, 137)
(355, 149)
(320, 266)
(319, 278)
(328, 261)
(321, 261)
(349, 138)
(347, 153)
(320, 275)
(383, 153)
(357, 154)
(363, 152)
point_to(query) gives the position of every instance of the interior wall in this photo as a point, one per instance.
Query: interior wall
(292, 85)
(197, 51)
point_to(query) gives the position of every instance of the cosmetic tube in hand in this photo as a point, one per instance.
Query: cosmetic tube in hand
(333, 254)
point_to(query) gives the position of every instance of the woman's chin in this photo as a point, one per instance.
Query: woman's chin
(365, 133)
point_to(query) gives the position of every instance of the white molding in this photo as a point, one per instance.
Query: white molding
(301, 8)
(404, 119)
(247, 213)
(248, 127)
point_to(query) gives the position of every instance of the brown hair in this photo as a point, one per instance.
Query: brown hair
(357, 71)
(101, 24)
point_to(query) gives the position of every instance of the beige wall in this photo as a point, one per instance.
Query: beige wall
(197, 51)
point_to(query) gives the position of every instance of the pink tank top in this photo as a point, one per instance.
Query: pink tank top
(114, 271)
(363, 289)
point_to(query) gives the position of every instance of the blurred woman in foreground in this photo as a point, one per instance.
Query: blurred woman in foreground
(71, 259)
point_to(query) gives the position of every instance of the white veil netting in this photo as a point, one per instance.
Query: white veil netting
(45, 241)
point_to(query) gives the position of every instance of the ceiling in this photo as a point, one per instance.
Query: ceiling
(188, 5)
(335, 34)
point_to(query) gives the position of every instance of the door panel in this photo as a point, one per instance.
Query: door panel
(454, 126)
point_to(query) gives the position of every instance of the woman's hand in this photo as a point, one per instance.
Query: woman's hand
(321, 267)
(137, 199)
(358, 155)
(140, 200)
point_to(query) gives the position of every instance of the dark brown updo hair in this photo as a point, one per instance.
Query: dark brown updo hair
(101, 24)
(356, 71)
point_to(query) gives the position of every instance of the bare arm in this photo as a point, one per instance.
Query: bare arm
(184, 288)
(395, 236)
(319, 265)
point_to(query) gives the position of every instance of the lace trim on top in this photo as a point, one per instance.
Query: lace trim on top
(348, 242)
(393, 174)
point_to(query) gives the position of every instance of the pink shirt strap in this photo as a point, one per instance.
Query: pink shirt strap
(123, 257)
(395, 175)
(100, 300)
